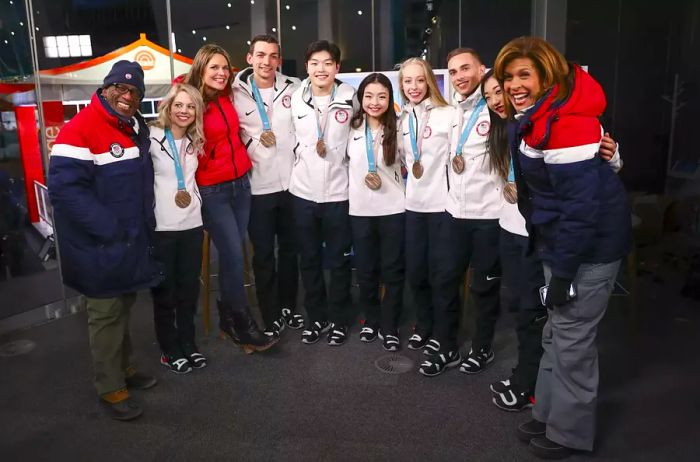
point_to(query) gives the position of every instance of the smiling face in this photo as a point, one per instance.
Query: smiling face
(493, 94)
(265, 59)
(375, 100)
(216, 74)
(322, 69)
(123, 98)
(522, 83)
(465, 73)
(414, 84)
(182, 111)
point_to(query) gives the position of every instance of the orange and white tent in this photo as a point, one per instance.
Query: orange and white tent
(80, 80)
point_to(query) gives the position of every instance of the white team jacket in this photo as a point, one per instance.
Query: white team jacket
(429, 192)
(364, 202)
(272, 167)
(477, 192)
(170, 217)
(315, 178)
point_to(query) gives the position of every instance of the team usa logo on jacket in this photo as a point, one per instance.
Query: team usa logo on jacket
(341, 116)
(483, 128)
(116, 150)
(287, 101)
(427, 132)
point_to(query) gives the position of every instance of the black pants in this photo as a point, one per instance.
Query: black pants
(324, 240)
(175, 299)
(430, 270)
(523, 276)
(378, 243)
(477, 246)
(276, 279)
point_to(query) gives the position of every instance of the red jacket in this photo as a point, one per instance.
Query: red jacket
(225, 158)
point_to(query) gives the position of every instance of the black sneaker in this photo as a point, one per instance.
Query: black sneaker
(276, 328)
(432, 347)
(532, 429)
(177, 364)
(418, 339)
(337, 335)
(437, 364)
(368, 334)
(501, 386)
(513, 400)
(390, 342)
(197, 360)
(475, 362)
(292, 320)
(313, 334)
(545, 448)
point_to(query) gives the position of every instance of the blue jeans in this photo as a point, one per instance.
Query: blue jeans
(225, 212)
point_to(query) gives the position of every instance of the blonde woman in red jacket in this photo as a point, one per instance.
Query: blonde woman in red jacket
(223, 183)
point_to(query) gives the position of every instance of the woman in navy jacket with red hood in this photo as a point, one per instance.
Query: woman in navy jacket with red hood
(225, 189)
(579, 222)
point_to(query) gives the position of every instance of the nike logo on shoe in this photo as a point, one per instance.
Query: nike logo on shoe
(491, 278)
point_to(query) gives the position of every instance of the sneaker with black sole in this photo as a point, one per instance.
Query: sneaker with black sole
(314, 332)
(513, 400)
(390, 342)
(292, 320)
(177, 364)
(432, 347)
(368, 334)
(417, 340)
(337, 335)
(197, 360)
(476, 362)
(139, 381)
(531, 429)
(437, 363)
(544, 448)
(123, 411)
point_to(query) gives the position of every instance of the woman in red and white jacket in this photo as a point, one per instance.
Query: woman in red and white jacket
(225, 189)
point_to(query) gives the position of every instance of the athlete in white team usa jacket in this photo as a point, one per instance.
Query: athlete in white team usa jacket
(272, 166)
(315, 178)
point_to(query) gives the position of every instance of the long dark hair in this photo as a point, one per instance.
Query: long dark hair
(388, 119)
(499, 154)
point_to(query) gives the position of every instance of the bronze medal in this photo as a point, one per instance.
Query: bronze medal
(510, 192)
(321, 148)
(182, 198)
(373, 181)
(417, 169)
(458, 164)
(267, 138)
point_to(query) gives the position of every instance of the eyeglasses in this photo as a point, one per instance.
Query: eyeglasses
(123, 89)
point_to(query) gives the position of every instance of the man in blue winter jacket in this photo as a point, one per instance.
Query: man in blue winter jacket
(101, 189)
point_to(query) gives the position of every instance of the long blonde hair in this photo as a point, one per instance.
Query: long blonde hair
(199, 64)
(195, 131)
(433, 92)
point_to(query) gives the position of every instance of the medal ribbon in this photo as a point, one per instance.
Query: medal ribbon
(176, 158)
(321, 123)
(416, 142)
(264, 115)
(470, 124)
(372, 146)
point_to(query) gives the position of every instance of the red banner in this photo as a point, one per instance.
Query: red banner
(28, 135)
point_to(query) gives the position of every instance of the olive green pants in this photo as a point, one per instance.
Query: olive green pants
(110, 343)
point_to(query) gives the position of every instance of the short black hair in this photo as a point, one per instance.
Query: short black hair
(267, 38)
(323, 45)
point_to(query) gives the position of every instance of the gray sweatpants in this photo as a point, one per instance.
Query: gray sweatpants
(567, 381)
